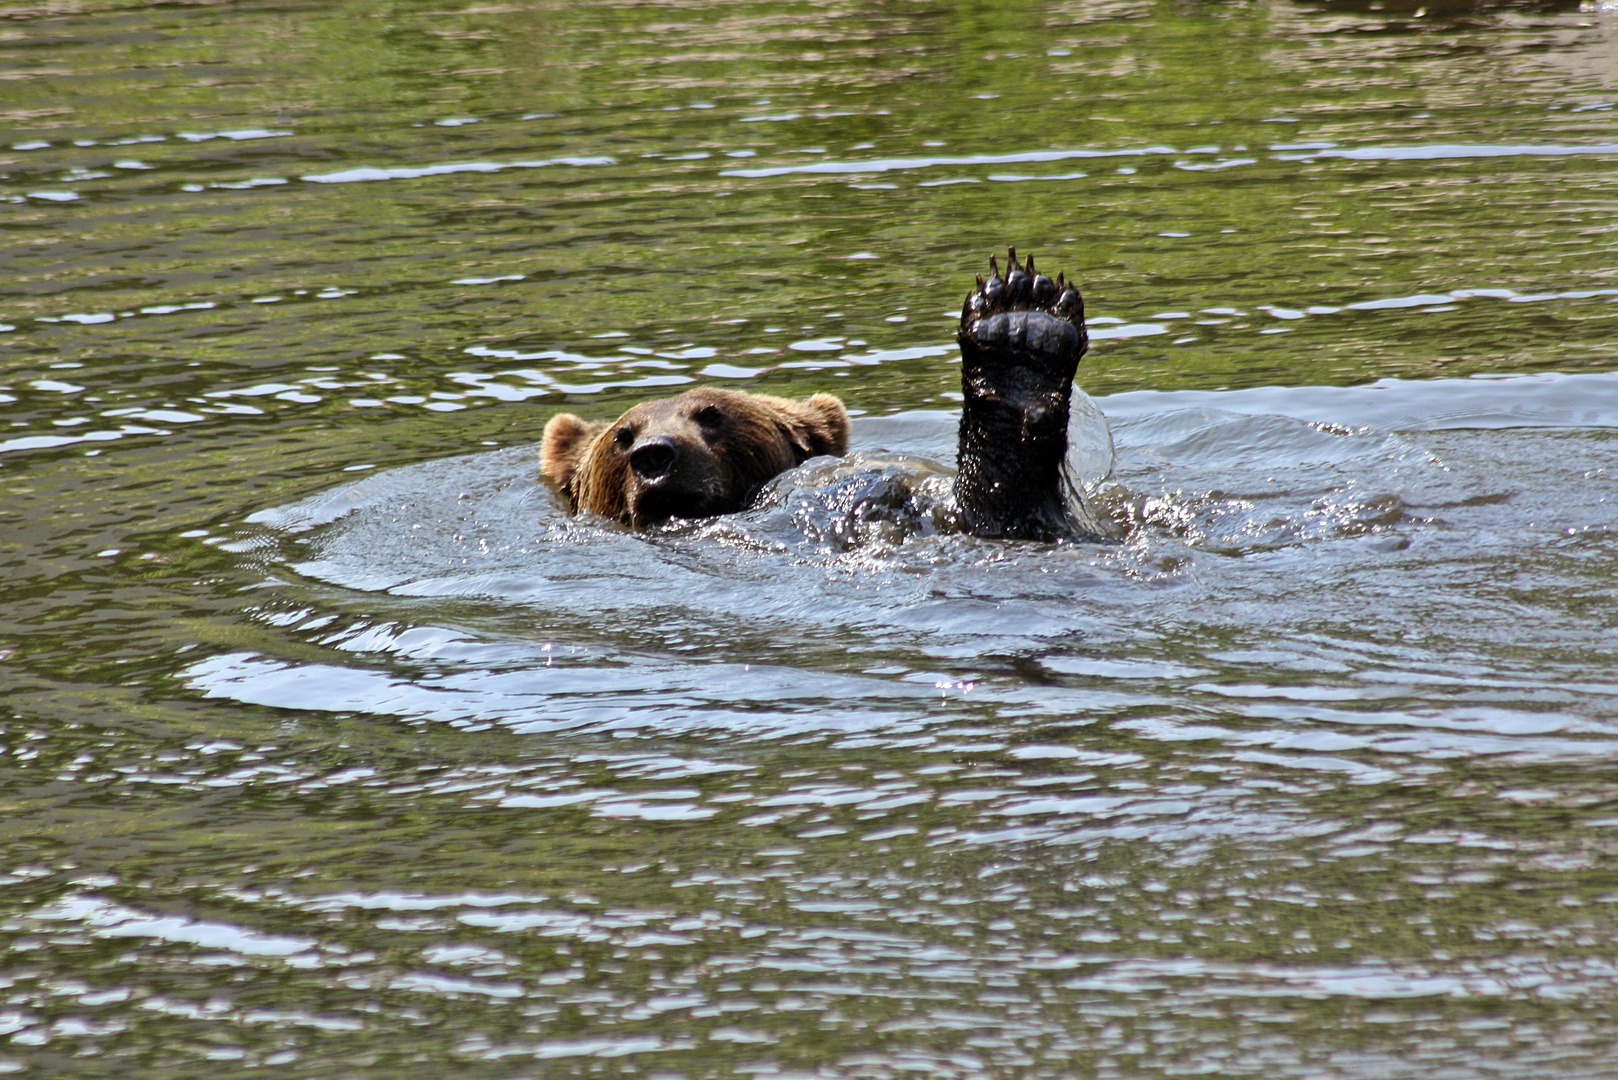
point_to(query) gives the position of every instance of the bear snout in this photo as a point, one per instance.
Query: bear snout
(653, 458)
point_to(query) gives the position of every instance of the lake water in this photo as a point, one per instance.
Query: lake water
(334, 748)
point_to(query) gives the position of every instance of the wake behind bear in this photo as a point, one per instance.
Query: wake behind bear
(711, 451)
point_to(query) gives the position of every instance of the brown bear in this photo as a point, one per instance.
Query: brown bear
(705, 452)
(709, 451)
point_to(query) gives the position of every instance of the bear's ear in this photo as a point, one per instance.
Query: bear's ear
(562, 448)
(818, 426)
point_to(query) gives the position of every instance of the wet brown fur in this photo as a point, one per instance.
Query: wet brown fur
(727, 444)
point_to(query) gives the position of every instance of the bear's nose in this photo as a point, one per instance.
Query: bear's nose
(653, 458)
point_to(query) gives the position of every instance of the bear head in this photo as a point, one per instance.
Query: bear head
(705, 452)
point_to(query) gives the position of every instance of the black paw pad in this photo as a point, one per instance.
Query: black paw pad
(1025, 311)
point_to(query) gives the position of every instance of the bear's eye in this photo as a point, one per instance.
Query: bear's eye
(709, 416)
(625, 437)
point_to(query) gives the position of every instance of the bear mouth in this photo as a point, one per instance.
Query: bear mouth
(655, 501)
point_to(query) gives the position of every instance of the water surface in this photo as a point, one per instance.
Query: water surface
(335, 749)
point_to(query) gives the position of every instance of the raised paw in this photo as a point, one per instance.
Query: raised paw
(1021, 339)
(1025, 312)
